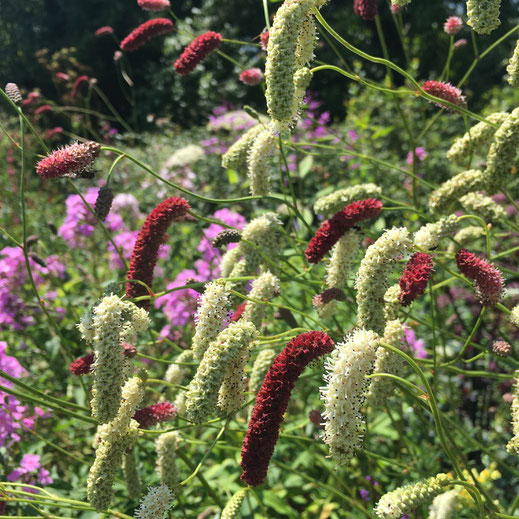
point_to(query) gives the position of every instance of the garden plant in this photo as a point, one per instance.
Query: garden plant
(285, 312)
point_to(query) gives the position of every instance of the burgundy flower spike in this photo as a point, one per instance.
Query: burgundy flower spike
(196, 51)
(151, 236)
(413, 281)
(145, 32)
(272, 402)
(488, 279)
(154, 414)
(331, 231)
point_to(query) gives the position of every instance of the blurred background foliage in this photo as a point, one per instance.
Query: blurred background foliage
(33, 34)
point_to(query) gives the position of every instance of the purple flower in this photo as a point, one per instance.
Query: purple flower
(11, 411)
(30, 464)
(79, 218)
(421, 155)
(417, 345)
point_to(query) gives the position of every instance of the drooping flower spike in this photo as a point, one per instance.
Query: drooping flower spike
(139, 36)
(70, 161)
(166, 447)
(197, 51)
(486, 276)
(513, 67)
(151, 236)
(413, 281)
(483, 15)
(345, 391)
(331, 230)
(371, 281)
(272, 402)
(407, 499)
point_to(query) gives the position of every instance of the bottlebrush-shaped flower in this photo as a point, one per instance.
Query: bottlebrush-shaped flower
(176, 372)
(408, 498)
(151, 236)
(212, 310)
(225, 237)
(387, 362)
(345, 392)
(115, 438)
(154, 414)
(252, 76)
(487, 277)
(330, 204)
(264, 288)
(282, 63)
(430, 235)
(154, 5)
(13, 93)
(453, 25)
(77, 83)
(105, 197)
(501, 156)
(513, 67)
(104, 30)
(331, 230)
(272, 401)
(166, 448)
(372, 277)
(483, 15)
(145, 32)
(445, 91)
(513, 445)
(71, 161)
(83, 365)
(366, 9)
(413, 281)
(483, 206)
(236, 156)
(259, 165)
(202, 394)
(106, 326)
(155, 503)
(197, 51)
(233, 506)
(42, 109)
(131, 473)
(443, 199)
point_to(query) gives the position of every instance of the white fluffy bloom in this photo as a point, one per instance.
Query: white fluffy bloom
(184, 156)
(345, 393)
(513, 445)
(166, 447)
(259, 164)
(110, 323)
(263, 289)
(330, 204)
(430, 235)
(387, 362)
(213, 307)
(444, 505)
(372, 277)
(155, 503)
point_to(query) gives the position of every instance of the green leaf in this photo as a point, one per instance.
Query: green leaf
(305, 166)
(232, 176)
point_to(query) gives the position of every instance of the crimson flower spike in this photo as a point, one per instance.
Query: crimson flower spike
(272, 402)
(487, 277)
(147, 30)
(413, 281)
(145, 252)
(331, 230)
